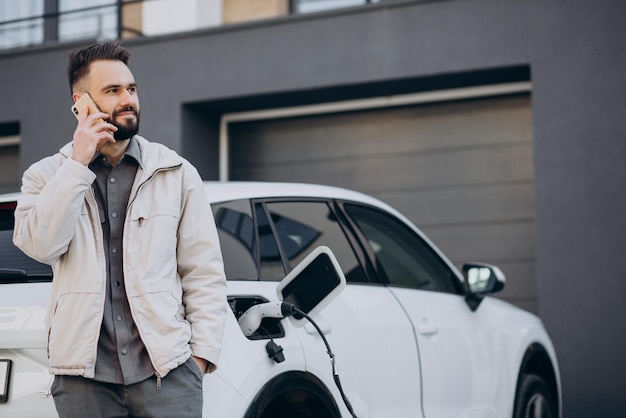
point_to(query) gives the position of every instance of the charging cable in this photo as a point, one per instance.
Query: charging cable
(251, 319)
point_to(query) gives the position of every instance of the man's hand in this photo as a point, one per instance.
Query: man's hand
(91, 134)
(202, 363)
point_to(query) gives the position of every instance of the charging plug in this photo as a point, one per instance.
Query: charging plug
(275, 351)
(251, 319)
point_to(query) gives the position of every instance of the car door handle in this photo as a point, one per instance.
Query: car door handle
(428, 328)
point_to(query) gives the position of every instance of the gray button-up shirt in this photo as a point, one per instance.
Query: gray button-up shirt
(122, 356)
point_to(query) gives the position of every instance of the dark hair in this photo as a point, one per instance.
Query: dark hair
(79, 61)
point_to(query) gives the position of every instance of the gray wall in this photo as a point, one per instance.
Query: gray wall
(575, 51)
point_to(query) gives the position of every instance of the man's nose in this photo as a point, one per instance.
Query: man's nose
(126, 98)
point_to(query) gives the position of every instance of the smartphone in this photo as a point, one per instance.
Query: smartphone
(77, 107)
(83, 100)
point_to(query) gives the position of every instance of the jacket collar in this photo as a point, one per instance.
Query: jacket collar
(154, 156)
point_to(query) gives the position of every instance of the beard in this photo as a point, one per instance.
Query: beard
(126, 128)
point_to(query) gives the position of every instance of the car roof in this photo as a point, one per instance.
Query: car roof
(224, 191)
(9, 197)
(219, 191)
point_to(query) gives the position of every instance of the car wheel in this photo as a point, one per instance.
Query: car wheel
(533, 399)
(293, 394)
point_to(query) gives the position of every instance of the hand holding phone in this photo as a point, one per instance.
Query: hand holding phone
(85, 101)
(84, 150)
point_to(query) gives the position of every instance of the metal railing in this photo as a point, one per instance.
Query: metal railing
(94, 22)
(111, 20)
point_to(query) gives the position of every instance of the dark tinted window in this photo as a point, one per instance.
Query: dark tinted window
(303, 226)
(238, 241)
(405, 258)
(271, 265)
(235, 228)
(15, 266)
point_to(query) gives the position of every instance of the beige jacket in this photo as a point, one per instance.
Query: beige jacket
(173, 266)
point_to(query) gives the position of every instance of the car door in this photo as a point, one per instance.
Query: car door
(369, 332)
(459, 349)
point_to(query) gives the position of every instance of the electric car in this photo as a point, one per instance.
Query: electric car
(401, 333)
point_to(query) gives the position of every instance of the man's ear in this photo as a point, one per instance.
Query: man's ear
(76, 96)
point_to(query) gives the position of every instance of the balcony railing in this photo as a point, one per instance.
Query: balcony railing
(117, 19)
(94, 22)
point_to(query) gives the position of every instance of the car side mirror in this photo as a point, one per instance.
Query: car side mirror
(480, 280)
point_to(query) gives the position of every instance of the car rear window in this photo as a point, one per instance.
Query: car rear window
(15, 266)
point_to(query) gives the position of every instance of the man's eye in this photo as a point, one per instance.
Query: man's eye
(132, 90)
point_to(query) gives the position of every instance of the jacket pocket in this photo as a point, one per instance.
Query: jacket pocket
(160, 318)
(151, 241)
(73, 331)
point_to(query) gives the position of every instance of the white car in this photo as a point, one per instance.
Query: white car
(408, 336)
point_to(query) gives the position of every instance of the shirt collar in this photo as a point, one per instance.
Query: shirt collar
(132, 150)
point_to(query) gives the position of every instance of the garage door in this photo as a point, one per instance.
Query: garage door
(461, 170)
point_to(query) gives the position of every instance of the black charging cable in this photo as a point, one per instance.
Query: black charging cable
(290, 309)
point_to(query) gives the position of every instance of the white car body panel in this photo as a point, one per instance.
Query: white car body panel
(244, 364)
(462, 352)
(23, 341)
(365, 345)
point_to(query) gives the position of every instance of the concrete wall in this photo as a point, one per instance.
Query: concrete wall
(575, 52)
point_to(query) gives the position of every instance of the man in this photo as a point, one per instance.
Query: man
(139, 295)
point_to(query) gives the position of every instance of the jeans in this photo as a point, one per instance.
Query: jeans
(179, 396)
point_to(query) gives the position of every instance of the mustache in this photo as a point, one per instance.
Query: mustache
(129, 108)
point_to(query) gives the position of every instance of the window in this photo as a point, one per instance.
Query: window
(290, 229)
(10, 177)
(235, 228)
(97, 19)
(15, 266)
(22, 29)
(309, 6)
(270, 262)
(304, 226)
(406, 260)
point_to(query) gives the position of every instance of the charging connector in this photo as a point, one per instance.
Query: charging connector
(251, 319)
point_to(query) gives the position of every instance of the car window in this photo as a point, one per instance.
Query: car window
(270, 262)
(302, 226)
(238, 241)
(406, 259)
(235, 228)
(15, 266)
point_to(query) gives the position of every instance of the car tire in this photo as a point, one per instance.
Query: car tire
(533, 399)
(293, 394)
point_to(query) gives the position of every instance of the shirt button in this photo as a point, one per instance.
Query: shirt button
(117, 283)
(119, 317)
(114, 215)
(114, 250)
(124, 351)
(112, 179)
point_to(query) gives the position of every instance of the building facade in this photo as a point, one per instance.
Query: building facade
(494, 125)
